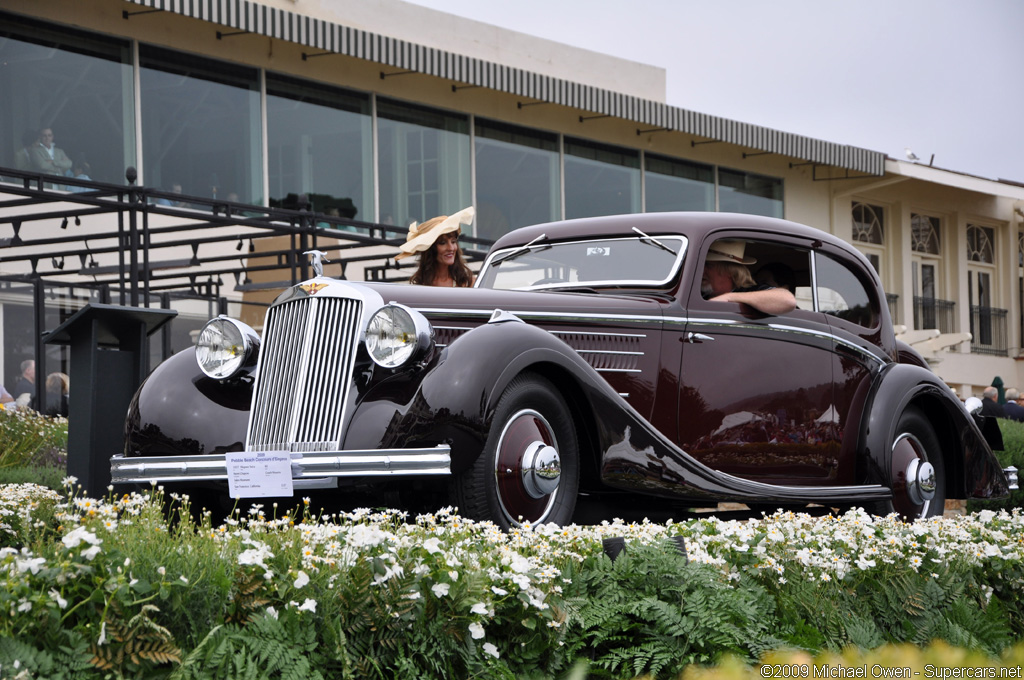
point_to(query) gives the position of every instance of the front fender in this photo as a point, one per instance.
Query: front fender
(975, 471)
(459, 391)
(178, 410)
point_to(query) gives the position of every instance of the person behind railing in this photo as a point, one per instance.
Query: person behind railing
(46, 157)
(80, 170)
(437, 242)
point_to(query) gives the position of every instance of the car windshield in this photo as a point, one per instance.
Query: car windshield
(628, 261)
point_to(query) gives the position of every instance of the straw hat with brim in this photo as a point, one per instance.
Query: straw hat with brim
(421, 236)
(729, 251)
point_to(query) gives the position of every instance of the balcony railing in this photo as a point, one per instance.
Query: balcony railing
(988, 330)
(893, 301)
(934, 313)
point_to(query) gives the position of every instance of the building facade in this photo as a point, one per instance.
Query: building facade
(368, 110)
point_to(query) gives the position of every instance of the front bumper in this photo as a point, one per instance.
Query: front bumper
(308, 466)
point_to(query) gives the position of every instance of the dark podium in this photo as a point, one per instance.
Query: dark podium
(109, 359)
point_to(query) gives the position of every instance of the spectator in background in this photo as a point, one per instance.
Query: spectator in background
(22, 160)
(57, 388)
(989, 405)
(45, 156)
(80, 170)
(1011, 408)
(27, 381)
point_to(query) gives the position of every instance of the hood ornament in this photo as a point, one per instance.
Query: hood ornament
(317, 258)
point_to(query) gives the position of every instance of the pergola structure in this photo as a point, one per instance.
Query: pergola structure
(140, 247)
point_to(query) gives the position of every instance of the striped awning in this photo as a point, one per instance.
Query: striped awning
(245, 15)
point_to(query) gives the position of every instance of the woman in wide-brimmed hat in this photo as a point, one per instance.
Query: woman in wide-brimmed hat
(437, 242)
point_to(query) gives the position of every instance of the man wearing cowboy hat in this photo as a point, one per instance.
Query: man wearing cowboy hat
(727, 279)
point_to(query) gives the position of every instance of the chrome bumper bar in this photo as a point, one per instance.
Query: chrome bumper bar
(213, 467)
(1011, 477)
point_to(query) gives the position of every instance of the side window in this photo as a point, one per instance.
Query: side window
(842, 294)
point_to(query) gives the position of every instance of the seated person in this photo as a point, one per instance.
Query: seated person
(727, 279)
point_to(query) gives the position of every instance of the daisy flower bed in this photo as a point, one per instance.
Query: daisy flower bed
(131, 586)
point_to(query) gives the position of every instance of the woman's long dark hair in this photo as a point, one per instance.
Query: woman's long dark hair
(428, 268)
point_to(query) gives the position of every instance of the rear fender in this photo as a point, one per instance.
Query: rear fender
(972, 470)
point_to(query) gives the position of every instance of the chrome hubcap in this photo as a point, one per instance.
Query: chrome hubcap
(541, 469)
(920, 481)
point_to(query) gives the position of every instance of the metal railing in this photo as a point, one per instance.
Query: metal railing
(988, 331)
(934, 313)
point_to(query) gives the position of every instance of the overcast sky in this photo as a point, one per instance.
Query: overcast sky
(943, 77)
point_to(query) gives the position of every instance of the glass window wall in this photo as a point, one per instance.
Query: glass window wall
(320, 143)
(76, 85)
(672, 184)
(600, 180)
(424, 163)
(200, 126)
(744, 192)
(517, 181)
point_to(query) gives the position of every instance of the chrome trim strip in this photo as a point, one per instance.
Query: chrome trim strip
(609, 351)
(603, 335)
(311, 465)
(472, 313)
(617, 370)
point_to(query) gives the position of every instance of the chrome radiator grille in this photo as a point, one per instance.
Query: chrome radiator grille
(306, 357)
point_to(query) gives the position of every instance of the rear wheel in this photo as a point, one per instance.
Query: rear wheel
(916, 472)
(529, 468)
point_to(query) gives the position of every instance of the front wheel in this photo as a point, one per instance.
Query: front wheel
(916, 471)
(529, 468)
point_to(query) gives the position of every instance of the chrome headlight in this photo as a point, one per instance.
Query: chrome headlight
(397, 335)
(225, 347)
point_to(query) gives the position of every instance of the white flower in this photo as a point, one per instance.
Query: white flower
(432, 545)
(492, 650)
(90, 553)
(183, 578)
(476, 631)
(55, 596)
(308, 606)
(161, 570)
(103, 635)
(498, 591)
(440, 589)
(271, 612)
(75, 538)
(25, 606)
(301, 580)
(479, 608)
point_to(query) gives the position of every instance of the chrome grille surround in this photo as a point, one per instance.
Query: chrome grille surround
(305, 370)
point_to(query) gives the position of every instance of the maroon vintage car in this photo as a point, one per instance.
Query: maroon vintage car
(585, 363)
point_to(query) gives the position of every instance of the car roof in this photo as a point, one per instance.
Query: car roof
(694, 225)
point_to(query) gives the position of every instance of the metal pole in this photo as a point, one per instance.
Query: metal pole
(131, 175)
(40, 347)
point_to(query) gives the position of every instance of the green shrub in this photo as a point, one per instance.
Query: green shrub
(29, 438)
(1012, 454)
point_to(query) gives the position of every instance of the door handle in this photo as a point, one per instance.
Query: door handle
(697, 337)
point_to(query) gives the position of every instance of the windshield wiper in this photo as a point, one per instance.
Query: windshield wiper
(520, 250)
(653, 241)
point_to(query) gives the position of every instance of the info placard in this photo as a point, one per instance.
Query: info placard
(259, 474)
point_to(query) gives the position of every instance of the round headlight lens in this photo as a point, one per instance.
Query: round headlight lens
(395, 335)
(224, 347)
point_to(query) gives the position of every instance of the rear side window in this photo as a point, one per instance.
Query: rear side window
(842, 294)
